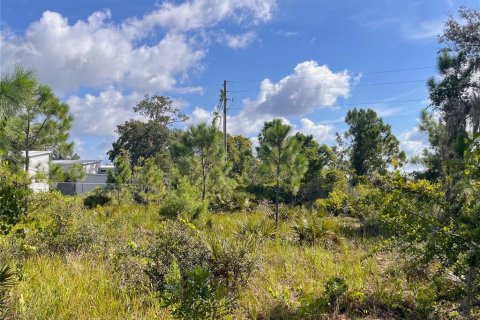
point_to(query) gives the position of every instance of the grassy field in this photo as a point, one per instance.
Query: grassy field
(68, 264)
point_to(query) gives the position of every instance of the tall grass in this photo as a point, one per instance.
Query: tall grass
(289, 284)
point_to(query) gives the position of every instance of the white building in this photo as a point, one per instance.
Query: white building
(96, 175)
(38, 169)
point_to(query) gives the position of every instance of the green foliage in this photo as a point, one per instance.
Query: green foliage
(97, 197)
(367, 203)
(261, 230)
(142, 140)
(160, 109)
(283, 164)
(311, 230)
(197, 295)
(373, 146)
(240, 157)
(233, 262)
(74, 173)
(236, 200)
(16, 89)
(151, 139)
(64, 226)
(148, 185)
(318, 156)
(7, 281)
(14, 193)
(199, 279)
(335, 291)
(42, 123)
(120, 176)
(335, 204)
(184, 202)
(200, 156)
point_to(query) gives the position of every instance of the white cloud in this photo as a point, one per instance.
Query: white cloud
(198, 14)
(239, 41)
(79, 146)
(287, 34)
(200, 115)
(100, 115)
(310, 87)
(321, 132)
(413, 142)
(428, 29)
(97, 52)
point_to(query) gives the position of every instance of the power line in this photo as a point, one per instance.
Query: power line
(332, 87)
(337, 75)
(347, 104)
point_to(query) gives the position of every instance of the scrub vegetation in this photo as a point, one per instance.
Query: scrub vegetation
(291, 230)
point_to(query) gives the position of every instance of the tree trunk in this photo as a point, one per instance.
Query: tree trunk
(467, 302)
(276, 194)
(204, 178)
(27, 147)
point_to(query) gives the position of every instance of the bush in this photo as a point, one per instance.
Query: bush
(14, 194)
(197, 278)
(311, 229)
(368, 202)
(262, 230)
(235, 201)
(335, 292)
(176, 242)
(98, 197)
(336, 204)
(63, 226)
(232, 261)
(197, 295)
(184, 202)
(7, 280)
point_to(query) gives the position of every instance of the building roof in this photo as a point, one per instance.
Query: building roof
(36, 153)
(84, 162)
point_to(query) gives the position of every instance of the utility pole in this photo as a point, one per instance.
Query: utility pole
(225, 117)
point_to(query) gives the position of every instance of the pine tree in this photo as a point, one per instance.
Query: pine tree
(281, 158)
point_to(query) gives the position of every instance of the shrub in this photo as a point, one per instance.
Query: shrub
(336, 204)
(234, 201)
(311, 229)
(13, 197)
(335, 292)
(98, 197)
(184, 202)
(367, 205)
(198, 278)
(7, 280)
(262, 230)
(176, 242)
(197, 295)
(232, 261)
(63, 226)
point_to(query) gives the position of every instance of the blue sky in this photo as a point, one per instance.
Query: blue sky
(307, 61)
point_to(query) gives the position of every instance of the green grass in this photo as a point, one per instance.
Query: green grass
(76, 287)
(289, 282)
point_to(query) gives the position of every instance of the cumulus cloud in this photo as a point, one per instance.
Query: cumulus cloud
(114, 58)
(309, 87)
(200, 115)
(197, 14)
(100, 115)
(323, 133)
(97, 52)
(413, 142)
